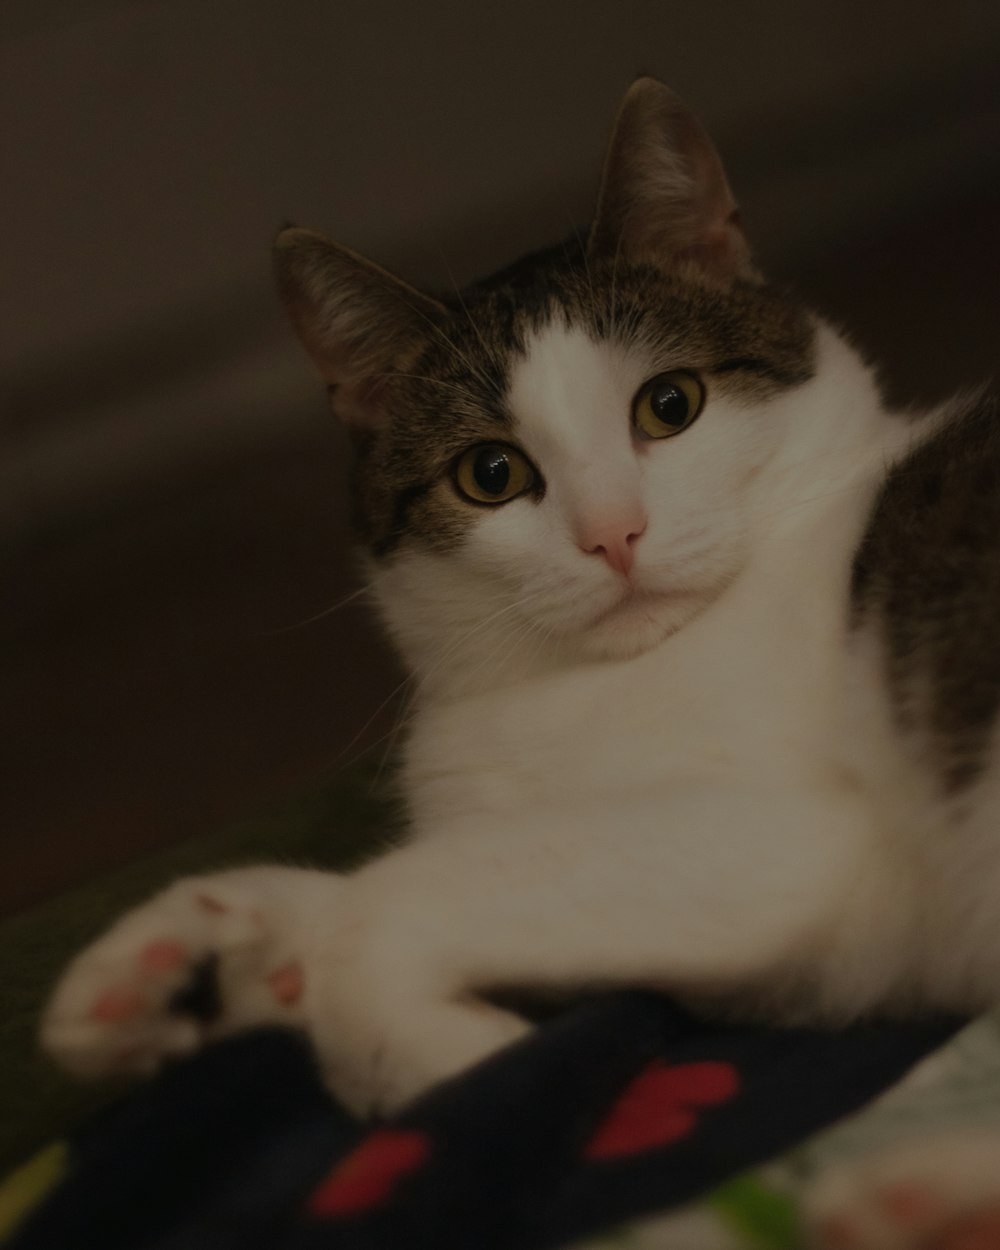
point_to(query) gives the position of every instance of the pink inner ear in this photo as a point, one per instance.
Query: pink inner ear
(357, 404)
(720, 252)
(354, 318)
(665, 197)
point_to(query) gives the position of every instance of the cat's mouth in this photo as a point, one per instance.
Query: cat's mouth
(637, 602)
(638, 620)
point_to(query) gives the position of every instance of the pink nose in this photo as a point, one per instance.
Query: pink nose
(616, 543)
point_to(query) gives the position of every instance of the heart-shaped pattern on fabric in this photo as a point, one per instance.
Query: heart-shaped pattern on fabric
(370, 1173)
(661, 1106)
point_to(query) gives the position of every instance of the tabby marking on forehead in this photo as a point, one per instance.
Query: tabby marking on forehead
(456, 391)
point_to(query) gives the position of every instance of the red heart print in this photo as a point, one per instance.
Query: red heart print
(661, 1107)
(370, 1173)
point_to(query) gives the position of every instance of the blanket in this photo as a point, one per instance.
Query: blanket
(623, 1106)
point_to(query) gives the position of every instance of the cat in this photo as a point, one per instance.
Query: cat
(703, 643)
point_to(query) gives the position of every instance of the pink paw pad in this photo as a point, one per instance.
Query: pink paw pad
(911, 1206)
(837, 1232)
(163, 956)
(287, 984)
(978, 1232)
(211, 904)
(114, 1006)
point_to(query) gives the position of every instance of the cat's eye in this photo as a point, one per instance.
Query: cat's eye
(493, 473)
(667, 404)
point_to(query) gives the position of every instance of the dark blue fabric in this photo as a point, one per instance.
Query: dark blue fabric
(222, 1152)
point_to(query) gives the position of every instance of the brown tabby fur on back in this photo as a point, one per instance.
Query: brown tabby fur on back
(929, 569)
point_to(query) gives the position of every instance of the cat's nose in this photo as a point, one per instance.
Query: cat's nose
(615, 542)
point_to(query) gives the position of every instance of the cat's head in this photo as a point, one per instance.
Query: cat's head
(560, 460)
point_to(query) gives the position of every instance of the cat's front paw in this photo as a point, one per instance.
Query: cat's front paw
(207, 957)
(395, 1008)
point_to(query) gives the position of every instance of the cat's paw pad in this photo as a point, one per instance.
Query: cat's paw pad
(196, 962)
(933, 1194)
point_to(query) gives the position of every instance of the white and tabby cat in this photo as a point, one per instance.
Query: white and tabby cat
(704, 644)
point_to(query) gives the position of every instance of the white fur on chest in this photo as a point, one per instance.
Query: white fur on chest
(751, 689)
(758, 686)
(741, 744)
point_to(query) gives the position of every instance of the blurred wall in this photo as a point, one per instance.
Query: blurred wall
(150, 150)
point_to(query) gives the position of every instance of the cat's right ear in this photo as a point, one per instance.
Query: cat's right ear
(664, 198)
(358, 322)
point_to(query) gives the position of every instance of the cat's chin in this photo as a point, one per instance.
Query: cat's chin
(639, 622)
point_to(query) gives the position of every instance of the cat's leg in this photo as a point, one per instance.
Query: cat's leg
(207, 957)
(937, 1192)
(390, 970)
(716, 889)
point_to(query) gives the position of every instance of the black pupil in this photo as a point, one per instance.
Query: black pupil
(669, 403)
(492, 471)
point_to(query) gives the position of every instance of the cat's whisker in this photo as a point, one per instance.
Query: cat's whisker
(489, 386)
(489, 349)
(406, 706)
(804, 501)
(407, 681)
(456, 644)
(330, 611)
(796, 505)
(416, 686)
(613, 303)
(582, 243)
(504, 649)
(465, 359)
(451, 386)
(402, 717)
(543, 638)
(522, 631)
(470, 364)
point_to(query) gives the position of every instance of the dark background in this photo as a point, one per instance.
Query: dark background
(171, 485)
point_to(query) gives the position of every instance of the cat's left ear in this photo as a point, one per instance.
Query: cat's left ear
(357, 321)
(664, 198)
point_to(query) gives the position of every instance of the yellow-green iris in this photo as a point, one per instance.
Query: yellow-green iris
(493, 473)
(668, 403)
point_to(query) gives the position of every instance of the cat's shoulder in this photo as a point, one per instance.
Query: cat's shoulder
(940, 502)
(927, 579)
